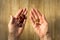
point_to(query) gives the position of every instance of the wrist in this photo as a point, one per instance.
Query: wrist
(43, 37)
(12, 36)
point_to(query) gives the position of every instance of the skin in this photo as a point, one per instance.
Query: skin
(40, 27)
(14, 29)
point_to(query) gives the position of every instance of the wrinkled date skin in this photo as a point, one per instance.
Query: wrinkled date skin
(19, 21)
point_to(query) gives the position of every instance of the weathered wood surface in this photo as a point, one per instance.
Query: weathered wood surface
(50, 8)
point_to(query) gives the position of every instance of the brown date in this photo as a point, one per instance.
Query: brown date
(20, 20)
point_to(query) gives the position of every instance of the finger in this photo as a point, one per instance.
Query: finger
(32, 20)
(39, 14)
(24, 11)
(24, 22)
(36, 13)
(44, 18)
(19, 13)
(40, 17)
(32, 14)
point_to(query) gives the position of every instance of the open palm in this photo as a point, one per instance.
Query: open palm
(17, 22)
(39, 22)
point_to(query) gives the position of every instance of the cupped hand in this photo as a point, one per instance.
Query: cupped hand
(17, 22)
(39, 22)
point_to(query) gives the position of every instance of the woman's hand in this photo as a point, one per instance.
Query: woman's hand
(39, 23)
(17, 23)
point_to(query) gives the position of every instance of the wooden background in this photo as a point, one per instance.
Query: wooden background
(50, 8)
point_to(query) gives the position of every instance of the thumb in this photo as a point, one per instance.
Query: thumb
(11, 19)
